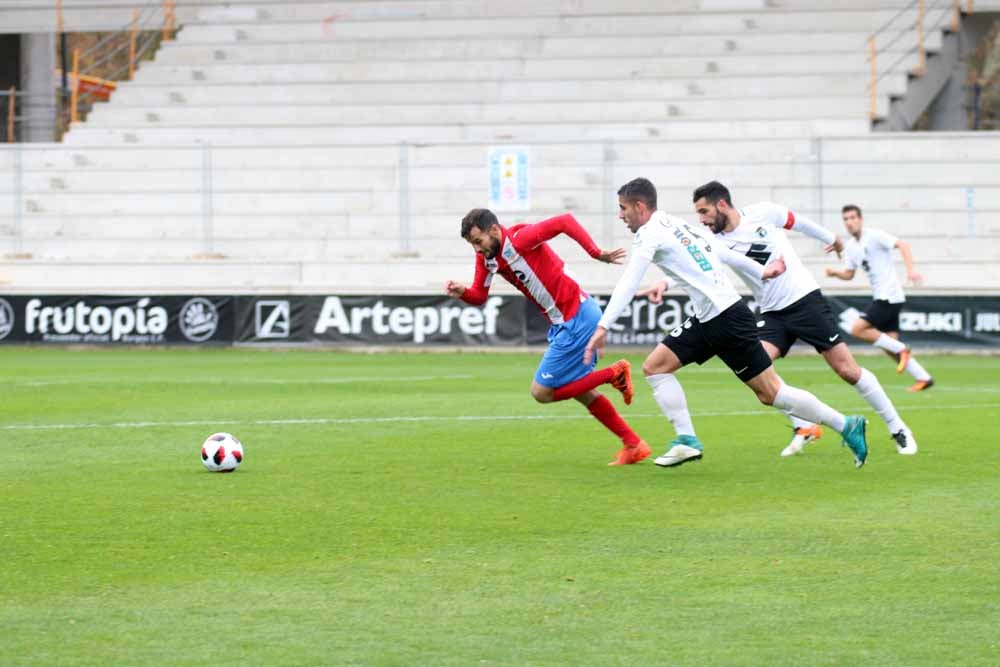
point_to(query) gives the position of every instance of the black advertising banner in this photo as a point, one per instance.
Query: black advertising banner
(380, 320)
(935, 320)
(949, 321)
(372, 320)
(116, 320)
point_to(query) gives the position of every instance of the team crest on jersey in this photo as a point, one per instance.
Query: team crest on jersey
(761, 232)
(685, 241)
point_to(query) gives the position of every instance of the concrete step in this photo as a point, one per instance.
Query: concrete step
(681, 129)
(894, 151)
(386, 179)
(397, 276)
(702, 68)
(417, 47)
(40, 16)
(440, 196)
(935, 226)
(297, 10)
(658, 25)
(906, 147)
(138, 94)
(300, 115)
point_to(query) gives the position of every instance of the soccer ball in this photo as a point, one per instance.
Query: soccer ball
(222, 452)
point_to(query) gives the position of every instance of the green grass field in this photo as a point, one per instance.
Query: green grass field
(422, 510)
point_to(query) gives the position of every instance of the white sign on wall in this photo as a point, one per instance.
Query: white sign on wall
(509, 173)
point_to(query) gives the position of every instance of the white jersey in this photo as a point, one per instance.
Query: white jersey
(687, 256)
(873, 253)
(761, 237)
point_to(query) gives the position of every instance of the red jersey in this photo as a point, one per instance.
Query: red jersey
(530, 265)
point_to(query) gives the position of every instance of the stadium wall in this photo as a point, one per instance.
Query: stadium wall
(243, 218)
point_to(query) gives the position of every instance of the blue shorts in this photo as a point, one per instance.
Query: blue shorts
(563, 361)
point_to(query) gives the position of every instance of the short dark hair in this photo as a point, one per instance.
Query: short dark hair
(851, 207)
(483, 218)
(714, 192)
(639, 189)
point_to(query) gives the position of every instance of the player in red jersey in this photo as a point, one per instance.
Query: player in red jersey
(521, 255)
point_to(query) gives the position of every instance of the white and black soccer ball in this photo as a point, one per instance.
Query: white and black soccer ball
(222, 452)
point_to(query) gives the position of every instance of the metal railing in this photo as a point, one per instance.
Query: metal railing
(917, 12)
(19, 109)
(112, 58)
(206, 188)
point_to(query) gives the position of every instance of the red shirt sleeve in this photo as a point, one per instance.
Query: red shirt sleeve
(531, 236)
(476, 293)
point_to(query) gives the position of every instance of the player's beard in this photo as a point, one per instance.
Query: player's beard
(494, 249)
(719, 223)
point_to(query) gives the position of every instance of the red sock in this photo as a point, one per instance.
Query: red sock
(583, 385)
(604, 411)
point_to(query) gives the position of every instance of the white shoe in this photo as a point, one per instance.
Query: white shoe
(803, 436)
(677, 455)
(905, 444)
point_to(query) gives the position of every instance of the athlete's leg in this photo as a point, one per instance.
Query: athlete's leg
(617, 374)
(884, 341)
(770, 390)
(659, 369)
(603, 410)
(867, 332)
(562, 375)
(803, 430)
(841, 360)
(908, 362)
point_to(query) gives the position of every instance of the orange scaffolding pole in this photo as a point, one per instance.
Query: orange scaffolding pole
(170, 19)
(74, 96)
(133, 38)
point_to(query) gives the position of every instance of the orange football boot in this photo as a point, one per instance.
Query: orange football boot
(622, 380)
(630, 454)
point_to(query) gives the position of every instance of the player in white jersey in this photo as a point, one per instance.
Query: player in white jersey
(723, 326)
(792, 306)
(871, 250)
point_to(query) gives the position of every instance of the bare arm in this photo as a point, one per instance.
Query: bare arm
(655, 292)
(746, 266)
(843, 274)
(911, 274)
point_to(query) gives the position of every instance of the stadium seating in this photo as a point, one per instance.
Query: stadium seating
(336, 145)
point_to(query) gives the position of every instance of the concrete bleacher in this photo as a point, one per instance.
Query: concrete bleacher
(306, 146)
(41, 16)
